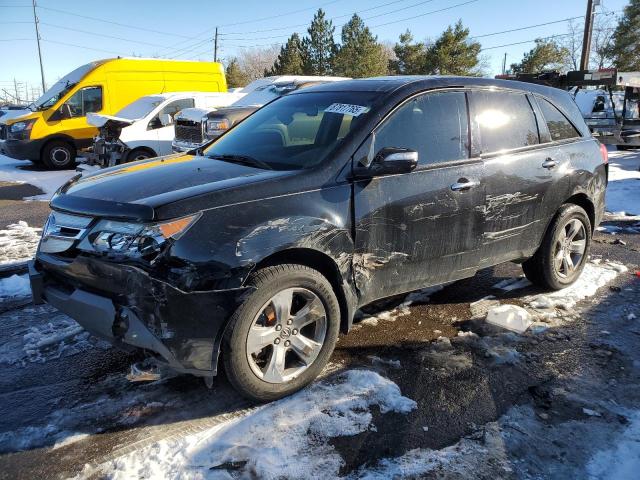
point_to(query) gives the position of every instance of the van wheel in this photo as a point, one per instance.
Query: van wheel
(59, 155)
(282, 335)
(563, 254)
(139, 154)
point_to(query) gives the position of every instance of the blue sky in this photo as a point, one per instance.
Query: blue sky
(185, 29)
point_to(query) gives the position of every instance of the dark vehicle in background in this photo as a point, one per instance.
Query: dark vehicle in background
(256, 253)
(195, 127)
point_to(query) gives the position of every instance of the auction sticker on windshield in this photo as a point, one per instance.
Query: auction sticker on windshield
(346, 109)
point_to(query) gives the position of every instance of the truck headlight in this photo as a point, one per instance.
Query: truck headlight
(22, 130)
(134, 240)
(217, 127)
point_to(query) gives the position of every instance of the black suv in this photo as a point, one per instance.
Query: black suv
(259, 251)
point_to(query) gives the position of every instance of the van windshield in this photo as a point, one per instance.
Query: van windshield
(140, 108)
(294, 132)
(61, 87)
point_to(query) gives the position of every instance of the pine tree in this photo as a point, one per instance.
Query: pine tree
(319, 47)
(360, 54)
(290, 61)
(236, 77)
(453, 53)
(546, 55)
(410, 56)
(625, 50)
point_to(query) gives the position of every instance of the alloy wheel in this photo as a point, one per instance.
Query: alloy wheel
(60, 156)
(570, 247)
(286, 335)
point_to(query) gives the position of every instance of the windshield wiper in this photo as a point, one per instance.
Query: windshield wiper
(242, 159)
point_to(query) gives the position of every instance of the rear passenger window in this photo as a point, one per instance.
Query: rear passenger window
(435, 125)
(559, 126)
(506, 120)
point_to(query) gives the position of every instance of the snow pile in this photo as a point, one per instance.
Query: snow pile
(19, 171)
(285, 439)
(511, 317)
(14, 286)
(509, 284)
(33, 341)
(592, 278)
(18, 242)
(623, 191)
(619, 462)
(614, 229)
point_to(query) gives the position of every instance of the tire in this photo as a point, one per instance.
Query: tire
(139, 154)
(550, 266)
(59, 155)
(250, 373)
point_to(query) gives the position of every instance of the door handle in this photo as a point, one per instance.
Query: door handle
(549, 163)
(463, 184)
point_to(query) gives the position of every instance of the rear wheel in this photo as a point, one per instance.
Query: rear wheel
(58, 155)
(562, 256)
(283, 334)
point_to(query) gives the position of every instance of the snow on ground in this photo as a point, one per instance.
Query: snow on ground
(594, 276)
(622, 461)
(22, 171)
(289, 438)
(18, 242)
(14, 286)
(623, 191)
(40, 334)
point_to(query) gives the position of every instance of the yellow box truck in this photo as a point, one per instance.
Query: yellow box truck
(56, 128)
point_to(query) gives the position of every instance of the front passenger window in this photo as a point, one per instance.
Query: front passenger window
(434, 124)
(85, 100)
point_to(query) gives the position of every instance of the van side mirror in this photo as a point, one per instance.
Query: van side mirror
(391, 161)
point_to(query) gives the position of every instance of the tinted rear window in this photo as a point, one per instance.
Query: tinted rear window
(559, 126)
(506, 120)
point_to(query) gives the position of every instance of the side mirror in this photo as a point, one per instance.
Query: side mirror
(166, 119)
(393, 161)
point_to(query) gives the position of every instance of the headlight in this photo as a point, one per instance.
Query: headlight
(22, 129)
(133, 240)
(217, 127)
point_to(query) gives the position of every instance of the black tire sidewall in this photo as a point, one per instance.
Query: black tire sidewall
(46, 155)
(551, 277)
(136, 151)
(270, 281)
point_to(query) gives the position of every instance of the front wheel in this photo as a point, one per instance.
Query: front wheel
(59, 155)
(283, 334)
(563, 254)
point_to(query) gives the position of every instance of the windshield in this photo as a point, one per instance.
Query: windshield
(61, 87)
(140, 108)
(263, 95)
(294, 132)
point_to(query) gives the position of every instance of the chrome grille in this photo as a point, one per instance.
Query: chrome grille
(62, 230)
(188, 131)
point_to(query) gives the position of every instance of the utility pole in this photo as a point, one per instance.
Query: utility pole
(35, 21)
(15, 89)
(504, 63)
(215, 47)
(586, 39)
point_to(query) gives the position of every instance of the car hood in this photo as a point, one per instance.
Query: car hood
(136, 190)
(99, 120)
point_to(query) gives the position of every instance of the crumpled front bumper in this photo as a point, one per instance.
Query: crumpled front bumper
(126, 306)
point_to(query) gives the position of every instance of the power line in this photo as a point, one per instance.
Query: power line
(135, 27)
(102, 35)
(81, 46)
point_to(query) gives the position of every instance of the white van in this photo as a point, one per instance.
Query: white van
(144, 128)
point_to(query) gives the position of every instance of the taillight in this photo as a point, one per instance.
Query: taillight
(604, 153)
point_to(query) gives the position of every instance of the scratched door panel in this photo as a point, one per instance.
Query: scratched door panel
(515, 217)
(413, 230)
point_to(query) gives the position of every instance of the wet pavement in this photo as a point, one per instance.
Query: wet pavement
(66, 403)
